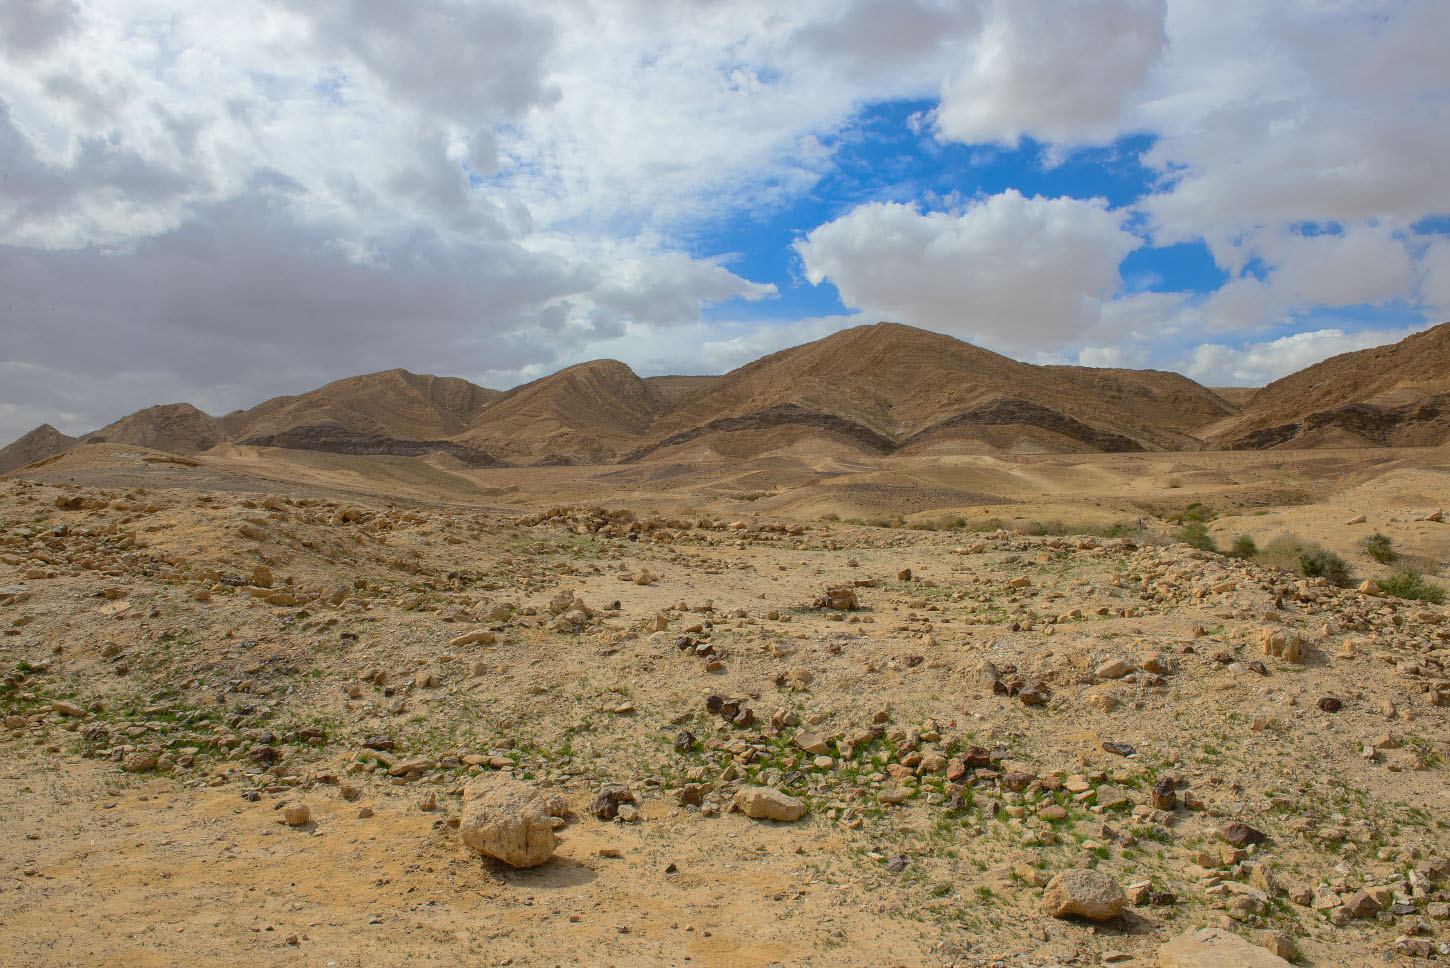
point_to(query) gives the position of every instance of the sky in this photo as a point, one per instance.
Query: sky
(219, 201)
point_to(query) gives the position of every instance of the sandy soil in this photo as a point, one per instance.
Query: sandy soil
(136, 621)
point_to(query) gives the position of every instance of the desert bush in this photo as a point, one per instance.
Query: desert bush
(1283, 552)
(1380, 548)
(1195, 512)
(1414, 586)
(1195, 533)
(1305, 557)
(1323, 563)
(1244, 547)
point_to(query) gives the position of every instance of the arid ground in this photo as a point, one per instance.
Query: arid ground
(1036, 676)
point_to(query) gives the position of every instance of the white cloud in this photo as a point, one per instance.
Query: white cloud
(1363, 264)
(1058, 71)
(1301, 111)
(1435, 281)
(1009, 270)
(1116, 357)
(1256, 364)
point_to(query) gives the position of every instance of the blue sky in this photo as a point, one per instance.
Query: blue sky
(225, 200)
(884, 155)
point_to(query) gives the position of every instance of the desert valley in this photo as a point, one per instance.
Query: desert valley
(883, 649)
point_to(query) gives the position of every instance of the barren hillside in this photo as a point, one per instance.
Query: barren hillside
(178, 428)
(888, 387)
(394, 403)
(583, 414)
(42, 442)
(1396, 395)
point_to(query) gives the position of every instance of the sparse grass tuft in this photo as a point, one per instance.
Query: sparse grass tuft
(1244, 547)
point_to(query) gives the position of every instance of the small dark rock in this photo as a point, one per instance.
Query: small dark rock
(685, 741)
(1165, 795)
(1122, 749)
(1330, 704)
(1035, 694)
(607, 802)
(1241, 834)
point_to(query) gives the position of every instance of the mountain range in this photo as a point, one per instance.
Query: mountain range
(870, 390)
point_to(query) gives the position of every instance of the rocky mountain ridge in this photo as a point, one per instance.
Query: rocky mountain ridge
(869, 390)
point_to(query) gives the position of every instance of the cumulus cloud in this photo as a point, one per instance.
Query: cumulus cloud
(874, 36)
(1057, 71)
(484, 60)
(1256, 364)
(1006, 269)
(28, 27)
(1299, 112)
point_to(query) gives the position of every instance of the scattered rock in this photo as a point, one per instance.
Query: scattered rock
(139, 762)
(608, 800)
(1215, 948)
(766, 803)
(839, 599)
(812, 743)
(507, 820)
(1113, 669)
(1084, 893)
(1241, 834)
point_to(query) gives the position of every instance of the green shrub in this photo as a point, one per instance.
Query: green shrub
(1195, 533)
(1380, 549)
(1244, 547)
(1414, 586)
(1323, 563)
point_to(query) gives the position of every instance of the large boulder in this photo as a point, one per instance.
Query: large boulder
(1086, 893)
(766, 803)
(508, 820)
(1215, 948)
